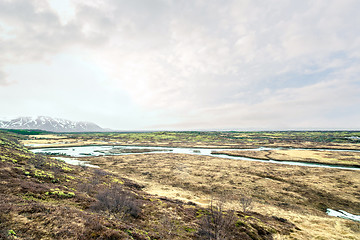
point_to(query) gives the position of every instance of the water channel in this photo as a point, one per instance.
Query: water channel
(86, 151)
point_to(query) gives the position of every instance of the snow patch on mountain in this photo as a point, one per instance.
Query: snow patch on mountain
(50, 124)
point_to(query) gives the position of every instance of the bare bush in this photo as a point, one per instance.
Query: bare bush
(86, 187)
(101, 172)
(90, 186)
(118, 202)
(246, 203)
(95, 229)
(217, 224)
(95, 180)
(169, 227)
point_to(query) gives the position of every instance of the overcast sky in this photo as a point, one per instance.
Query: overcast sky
(183, 64)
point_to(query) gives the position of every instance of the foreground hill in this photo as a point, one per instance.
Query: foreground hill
(50, 124)
(43, 198)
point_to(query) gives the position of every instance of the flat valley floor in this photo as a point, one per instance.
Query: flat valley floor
(296, 193)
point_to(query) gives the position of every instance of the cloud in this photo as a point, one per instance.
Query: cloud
(3, 80)
(193, 48)
(324, 105)
(32, 31)
(199, 63)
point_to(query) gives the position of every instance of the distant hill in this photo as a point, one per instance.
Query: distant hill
(50, 124)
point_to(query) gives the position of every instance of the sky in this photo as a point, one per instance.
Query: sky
(183, 64)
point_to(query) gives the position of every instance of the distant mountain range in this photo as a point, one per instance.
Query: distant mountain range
(50, 124)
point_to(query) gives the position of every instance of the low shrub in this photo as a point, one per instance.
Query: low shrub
(246, 203)
(117, 201)
(216, 223)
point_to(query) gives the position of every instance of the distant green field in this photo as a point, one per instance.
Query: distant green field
(26, 131)
(229, 136)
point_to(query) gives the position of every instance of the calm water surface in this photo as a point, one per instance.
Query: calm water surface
(86, 151)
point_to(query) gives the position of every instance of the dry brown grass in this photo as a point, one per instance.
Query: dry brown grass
(314, 145)
(299, 194)
(313, 156)
(41, 198)
(77, 140)
(47, 136)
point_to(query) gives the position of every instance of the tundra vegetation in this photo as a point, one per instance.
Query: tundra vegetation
(177, 196)
(43, 198)
(230, 139)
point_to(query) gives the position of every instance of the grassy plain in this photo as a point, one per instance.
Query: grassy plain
(342, 140)
(43, 198)
(309, 156)
(300, 195)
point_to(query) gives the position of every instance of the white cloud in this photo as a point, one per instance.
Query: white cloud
(3, 80)
(65, 10)
(201, 64)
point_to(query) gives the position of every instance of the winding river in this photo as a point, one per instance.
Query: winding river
(86, 151)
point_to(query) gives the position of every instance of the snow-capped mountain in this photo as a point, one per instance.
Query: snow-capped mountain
(50, 124)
